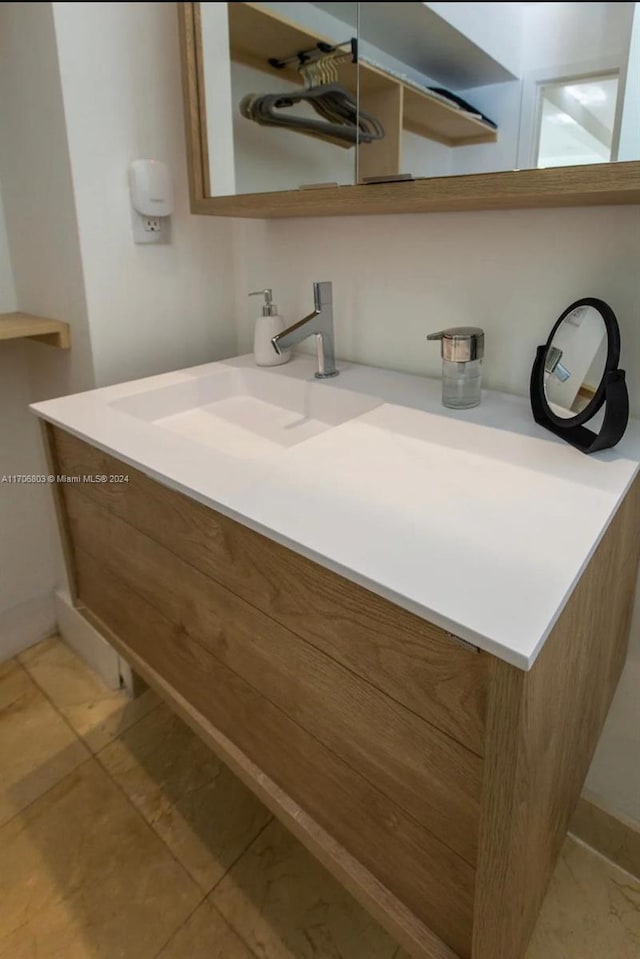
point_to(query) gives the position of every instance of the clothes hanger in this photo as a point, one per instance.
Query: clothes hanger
(345, 125)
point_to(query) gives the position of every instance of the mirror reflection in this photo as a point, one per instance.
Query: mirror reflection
(575, 362)
(280, 90)
(439, 89)
(488, 87)
(577, 121)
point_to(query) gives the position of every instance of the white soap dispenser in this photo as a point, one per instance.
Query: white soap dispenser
(267, 326)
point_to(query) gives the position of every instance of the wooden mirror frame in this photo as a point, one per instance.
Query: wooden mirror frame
(593, 185)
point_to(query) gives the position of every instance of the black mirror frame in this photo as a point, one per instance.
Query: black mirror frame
(611, 391)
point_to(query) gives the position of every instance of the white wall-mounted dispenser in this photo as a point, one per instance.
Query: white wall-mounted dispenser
(151, 200)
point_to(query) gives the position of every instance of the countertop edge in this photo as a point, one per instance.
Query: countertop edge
(523, 660)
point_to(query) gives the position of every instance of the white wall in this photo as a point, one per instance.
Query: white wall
(614, 779)
(20, 573)
(7, 285)
(559, 34)
(38, 195)
(501, 102)
(150, 308)
(499, 35)
(512, 273)
(398, 278)
(45, 255)
(133, 310)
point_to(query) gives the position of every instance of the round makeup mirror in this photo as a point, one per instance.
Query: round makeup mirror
(575, 362)
(576, 372)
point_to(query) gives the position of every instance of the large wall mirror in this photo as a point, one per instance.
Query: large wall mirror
(319, 96)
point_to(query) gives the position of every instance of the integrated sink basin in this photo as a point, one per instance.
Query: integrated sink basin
(247, 412)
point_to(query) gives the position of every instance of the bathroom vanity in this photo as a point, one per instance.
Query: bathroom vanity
(401, 626)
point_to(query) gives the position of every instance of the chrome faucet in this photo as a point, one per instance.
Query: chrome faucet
(319, 323)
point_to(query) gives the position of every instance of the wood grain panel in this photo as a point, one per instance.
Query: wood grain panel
(601, 184)
(411, 660)
(15, 326)
(428, 774)
(543, 728)
(195, 117)
(383, 157)
(430, 880)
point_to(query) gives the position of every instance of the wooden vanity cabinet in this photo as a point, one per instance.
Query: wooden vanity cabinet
(435, 781)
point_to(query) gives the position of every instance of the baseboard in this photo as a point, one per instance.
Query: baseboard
(86, 641)
(617, 839)
(25, 624)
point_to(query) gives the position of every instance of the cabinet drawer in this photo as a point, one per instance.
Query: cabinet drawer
(429, 775)
(414, 662)
(427, 876)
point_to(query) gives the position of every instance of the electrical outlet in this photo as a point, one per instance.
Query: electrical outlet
(150, 229)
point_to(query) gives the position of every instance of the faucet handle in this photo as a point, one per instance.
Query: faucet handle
(322, 294)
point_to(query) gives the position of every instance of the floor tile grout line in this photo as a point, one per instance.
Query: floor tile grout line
(77, 737)
(46, 792)
(175, 932)
(100, 764)
(206, 896)
(240, 855)
(149, 825)
(215, 907)
(67, 721)
(96, 755)
(233, 928)
(128, 729)
(54, 705)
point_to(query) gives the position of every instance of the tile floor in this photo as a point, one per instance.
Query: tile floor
(122, 837)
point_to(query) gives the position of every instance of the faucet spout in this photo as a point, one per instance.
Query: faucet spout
(294, 334)
(318, 323)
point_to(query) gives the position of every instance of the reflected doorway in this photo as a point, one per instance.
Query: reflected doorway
(577, 121)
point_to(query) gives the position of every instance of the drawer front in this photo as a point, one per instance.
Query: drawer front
(414, 662)
(429, 775)
(434, 882)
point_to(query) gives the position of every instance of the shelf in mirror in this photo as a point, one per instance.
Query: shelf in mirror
(257, 34)
(15, 326)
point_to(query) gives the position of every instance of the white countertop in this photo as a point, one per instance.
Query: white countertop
(479, 521)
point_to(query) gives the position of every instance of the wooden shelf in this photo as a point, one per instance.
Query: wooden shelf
(15, 326)
(256, 34)
(602, 184)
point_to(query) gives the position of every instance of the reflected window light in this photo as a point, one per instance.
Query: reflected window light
(587, 95)
(576, 121)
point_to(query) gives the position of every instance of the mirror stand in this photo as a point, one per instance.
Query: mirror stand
(615, 399)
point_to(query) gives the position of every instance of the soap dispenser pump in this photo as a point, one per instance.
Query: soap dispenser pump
(267, 326)
(462, 349)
